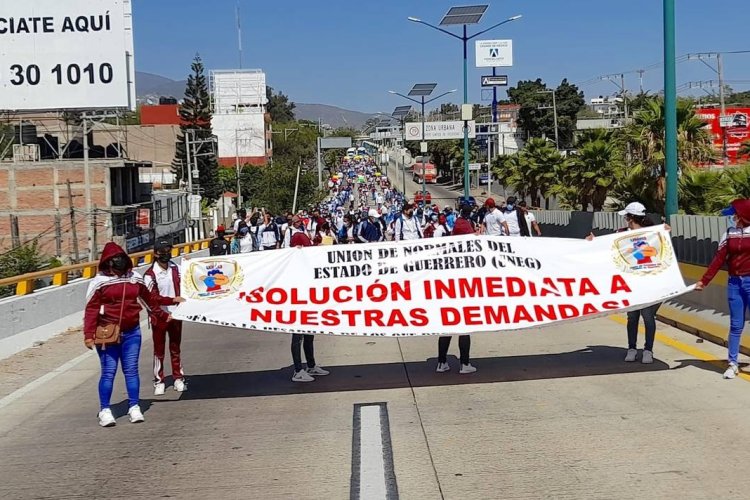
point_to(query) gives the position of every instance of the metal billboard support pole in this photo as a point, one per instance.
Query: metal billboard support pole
(670, 109)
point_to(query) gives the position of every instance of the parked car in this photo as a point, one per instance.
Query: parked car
(461, 200)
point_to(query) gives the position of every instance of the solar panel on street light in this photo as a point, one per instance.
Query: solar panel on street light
(464, 15)
(401, 112)
(422, 89)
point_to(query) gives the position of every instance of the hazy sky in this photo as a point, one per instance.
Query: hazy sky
(349, 53)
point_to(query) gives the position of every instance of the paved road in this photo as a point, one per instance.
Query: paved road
(553, 413)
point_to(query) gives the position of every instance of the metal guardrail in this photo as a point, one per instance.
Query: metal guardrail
(556, 217)
(25, 283)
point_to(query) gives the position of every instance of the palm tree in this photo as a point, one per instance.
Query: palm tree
(702, 191)
(646, 179)
(533, 171)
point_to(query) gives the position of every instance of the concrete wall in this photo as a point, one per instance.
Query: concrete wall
(22, 314)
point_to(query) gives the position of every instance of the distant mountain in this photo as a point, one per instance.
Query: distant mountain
(331, 115)
(150, 87)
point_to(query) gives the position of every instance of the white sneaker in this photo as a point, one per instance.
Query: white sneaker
(135, 414)
(180, 385)
(106, 419)
(443, 367)
(647, 358)
(631, 355)
(318, 371)
(732, 371)
(159, 389)
(302, 376)
(467, 369)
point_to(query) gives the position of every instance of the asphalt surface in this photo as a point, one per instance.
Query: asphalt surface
(553, 413)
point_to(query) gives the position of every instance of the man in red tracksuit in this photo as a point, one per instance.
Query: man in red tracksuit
(164, 275)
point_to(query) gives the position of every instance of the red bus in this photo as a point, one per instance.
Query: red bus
(429, 173)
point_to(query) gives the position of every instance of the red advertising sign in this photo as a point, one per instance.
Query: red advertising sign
(143, 218)
(737, 130)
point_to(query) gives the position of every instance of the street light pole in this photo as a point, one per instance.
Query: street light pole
(554, 114)
(670, 109)
(465, 38)
(424, 153)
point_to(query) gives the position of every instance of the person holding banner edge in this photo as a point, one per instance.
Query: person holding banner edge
(734, 249)
(636, 218)
(463, 226)
(299, 240)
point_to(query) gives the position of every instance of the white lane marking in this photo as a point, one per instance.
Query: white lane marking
(372, 466)
(19, 393)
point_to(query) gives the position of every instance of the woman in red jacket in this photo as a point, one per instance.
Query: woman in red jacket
(734, 249)
(112, 298)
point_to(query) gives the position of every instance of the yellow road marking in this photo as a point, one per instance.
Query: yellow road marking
(687, 349)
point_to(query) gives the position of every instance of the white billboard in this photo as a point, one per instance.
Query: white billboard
(240, 135)
(238, 91)
(434, 131)
(72, 54)
(494, 53)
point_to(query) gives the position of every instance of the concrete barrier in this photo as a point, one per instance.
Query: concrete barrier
(47, 312)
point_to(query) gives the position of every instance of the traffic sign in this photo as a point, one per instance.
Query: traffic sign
(475, 166)
(494, 81)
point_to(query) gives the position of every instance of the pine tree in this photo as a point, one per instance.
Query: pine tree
(195, 114)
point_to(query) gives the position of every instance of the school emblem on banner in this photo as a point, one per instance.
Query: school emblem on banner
(642, 253)
(210, 279)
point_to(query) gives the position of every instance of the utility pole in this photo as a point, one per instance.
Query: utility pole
(74, 230)
(624, 95)
(87, 185)
(94, 246)
(296, 187)
(14, 232)
(58, 235)
(720, 71)
(554, 111)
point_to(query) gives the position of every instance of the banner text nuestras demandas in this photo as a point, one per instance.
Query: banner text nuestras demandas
(452, 285)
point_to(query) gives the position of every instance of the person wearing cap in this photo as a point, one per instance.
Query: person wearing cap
(219, 245)
(407, 226)
(494, 222)
(163, 277)
(636, 218)
(370, 229)
(734, 250)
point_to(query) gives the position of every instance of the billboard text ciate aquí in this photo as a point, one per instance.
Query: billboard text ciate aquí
(72, 54)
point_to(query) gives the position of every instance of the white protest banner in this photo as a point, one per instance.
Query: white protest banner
(454, 285)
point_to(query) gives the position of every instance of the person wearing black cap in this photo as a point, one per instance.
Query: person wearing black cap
(164, 276)
(734, 250)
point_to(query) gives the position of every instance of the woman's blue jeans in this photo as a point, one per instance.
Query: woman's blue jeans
(127, 353)
(738, 295)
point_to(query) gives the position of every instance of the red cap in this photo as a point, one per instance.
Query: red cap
(489, 203)
(220, 229)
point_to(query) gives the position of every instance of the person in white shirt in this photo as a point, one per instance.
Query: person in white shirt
(407, 226)
(510, 216)
(530, 220)
(442, 227)
(268, 233)
(164, 275)
(246, 240)
(494, 222)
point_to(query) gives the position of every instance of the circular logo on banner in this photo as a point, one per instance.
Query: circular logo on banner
(414, 132)
(642, 253)
(213, 279)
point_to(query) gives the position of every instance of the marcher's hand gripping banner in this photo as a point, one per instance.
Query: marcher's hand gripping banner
(454, 285)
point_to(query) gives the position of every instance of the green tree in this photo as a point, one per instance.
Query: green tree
(279, 106)
(195, 114)
(592, 172)
(272, 187)
(24, 259)
(701, 191)
(645, 179)
(532, 95)
(294, 142)
(533, 171)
